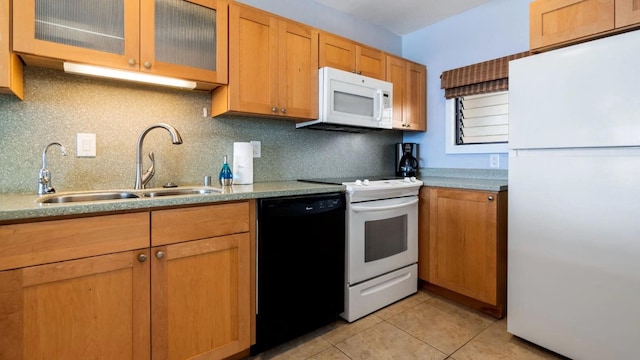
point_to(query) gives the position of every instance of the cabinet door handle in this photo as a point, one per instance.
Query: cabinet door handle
(142, 258)
(490, 198)
(160, 254)
(132, 61)
(274, 109)
(147, 64)
(283, 110)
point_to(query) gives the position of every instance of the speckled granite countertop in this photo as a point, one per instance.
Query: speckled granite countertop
(465, 183)
(20, 207)
(472, 179)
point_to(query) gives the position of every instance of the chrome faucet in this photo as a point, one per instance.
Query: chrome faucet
(176, 139)
(44, 177)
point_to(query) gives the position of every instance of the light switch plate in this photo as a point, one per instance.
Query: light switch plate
(86, 145)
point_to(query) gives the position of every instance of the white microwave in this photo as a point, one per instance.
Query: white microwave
(352, 102)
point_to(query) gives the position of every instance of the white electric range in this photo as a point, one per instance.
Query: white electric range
(382, 242)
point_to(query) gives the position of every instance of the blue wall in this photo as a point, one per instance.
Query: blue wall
(489, 31)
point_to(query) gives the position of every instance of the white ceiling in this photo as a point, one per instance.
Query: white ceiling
(402, 16)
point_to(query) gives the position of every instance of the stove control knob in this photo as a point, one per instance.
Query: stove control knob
(365, 182)
(413, 179)
(406, 179)
(358, 182)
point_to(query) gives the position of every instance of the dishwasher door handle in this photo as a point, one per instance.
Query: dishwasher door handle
(382, 208)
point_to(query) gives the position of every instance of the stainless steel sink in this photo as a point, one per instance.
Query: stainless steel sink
(119, 195)
(180, 191)
(87, 196)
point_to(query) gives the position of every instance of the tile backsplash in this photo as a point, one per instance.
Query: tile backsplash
(57, 106)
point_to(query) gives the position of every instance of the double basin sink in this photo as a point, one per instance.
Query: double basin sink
(124, 194)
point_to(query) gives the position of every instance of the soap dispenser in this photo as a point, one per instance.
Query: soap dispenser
(225, 177)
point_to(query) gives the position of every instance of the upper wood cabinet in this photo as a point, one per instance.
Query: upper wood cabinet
(344, 54)
(409, 93)
(175, 38)
(417, 97)
(273, 67)
(555, 23)
(627, 13)
(11, 81)
(466, 240)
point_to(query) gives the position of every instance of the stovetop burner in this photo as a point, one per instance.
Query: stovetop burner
(343, 180)
(374, 187)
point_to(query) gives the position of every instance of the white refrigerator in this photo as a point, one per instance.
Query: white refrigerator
(574, 199)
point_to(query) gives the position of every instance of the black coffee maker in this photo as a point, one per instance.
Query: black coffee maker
(406, 159)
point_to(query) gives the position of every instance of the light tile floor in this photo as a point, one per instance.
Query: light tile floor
(422, 326)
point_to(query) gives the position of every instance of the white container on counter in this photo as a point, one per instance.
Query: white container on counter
(242, 163)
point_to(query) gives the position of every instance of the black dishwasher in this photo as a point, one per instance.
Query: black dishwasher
(300, 266)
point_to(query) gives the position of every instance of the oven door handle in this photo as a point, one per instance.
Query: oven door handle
(382, 208)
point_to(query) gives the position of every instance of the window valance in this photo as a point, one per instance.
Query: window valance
(480, 78)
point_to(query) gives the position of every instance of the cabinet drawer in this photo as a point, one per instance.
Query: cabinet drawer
(177, 225)
(50, 241)
(558, 21)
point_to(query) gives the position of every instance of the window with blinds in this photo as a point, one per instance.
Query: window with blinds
(477, 106)
(482, 119)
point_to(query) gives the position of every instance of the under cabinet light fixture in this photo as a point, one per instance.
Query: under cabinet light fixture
(99, 71)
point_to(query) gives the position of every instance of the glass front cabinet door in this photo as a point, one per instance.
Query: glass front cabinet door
(185, 39)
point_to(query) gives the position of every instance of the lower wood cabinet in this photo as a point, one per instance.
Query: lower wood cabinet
(200, 298)
(67, 293)
(90, 308)
(74, 288)
(200, 285)
(463, 249)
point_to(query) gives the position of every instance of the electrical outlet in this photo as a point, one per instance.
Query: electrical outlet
(494, 160)
(256, 149)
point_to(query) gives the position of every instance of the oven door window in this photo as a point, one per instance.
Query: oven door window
(385, 238)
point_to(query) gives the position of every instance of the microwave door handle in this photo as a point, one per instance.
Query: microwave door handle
(382, 208)
(380, 106)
